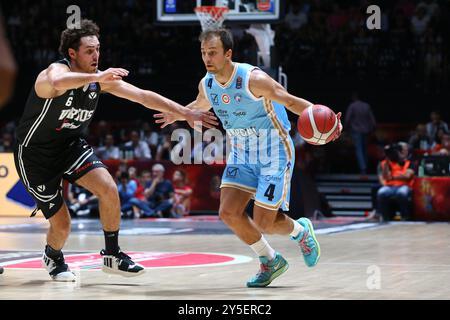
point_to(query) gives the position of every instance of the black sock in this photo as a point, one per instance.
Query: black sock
(111, 242)
(52, 253)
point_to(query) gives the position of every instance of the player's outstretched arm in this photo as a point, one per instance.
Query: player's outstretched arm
(201, 104)
(155, 101)
(57, 79)
(262, 85)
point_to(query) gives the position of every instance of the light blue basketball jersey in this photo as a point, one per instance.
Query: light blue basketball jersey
(264, 171)
(241, 113)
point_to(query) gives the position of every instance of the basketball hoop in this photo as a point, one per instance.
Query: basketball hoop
(211, 17)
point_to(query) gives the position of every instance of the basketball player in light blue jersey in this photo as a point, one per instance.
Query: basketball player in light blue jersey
(251, 105)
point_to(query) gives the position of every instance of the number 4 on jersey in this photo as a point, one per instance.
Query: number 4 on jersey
(269, 192)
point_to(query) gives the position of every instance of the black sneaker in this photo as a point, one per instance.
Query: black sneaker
(1, 270)
(58, 269)
(121, 264)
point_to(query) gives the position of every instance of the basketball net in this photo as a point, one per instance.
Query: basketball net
(211, 17)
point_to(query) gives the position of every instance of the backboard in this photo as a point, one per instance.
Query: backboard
(241, 11)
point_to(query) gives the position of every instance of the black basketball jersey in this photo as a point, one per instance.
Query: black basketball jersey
(52, 123)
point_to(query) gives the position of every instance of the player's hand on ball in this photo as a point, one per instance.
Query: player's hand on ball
(339, 128)
(111, 74)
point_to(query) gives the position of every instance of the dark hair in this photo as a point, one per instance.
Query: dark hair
(224, 34)
(124, 175)
(70, 38)
(392, 152)
(183, 175)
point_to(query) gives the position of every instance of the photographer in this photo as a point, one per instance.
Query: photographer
(396, 174)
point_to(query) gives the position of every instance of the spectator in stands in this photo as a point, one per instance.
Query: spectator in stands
(182, 194)
(164, 148)
(443, 147)
(420, 20)
(81, 202)
(101, 132)
(360, 121)
(296, 18)
(146, 177)
(7, 142)
(108, 150)
(435, 125)
(149, 136)
(127, 190)
(159, 192)
(431, 7)
(396, 174)
(420, 139)
(141, 150)
(132, 172)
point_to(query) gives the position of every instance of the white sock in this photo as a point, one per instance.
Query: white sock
(263, 249)
(297, 229)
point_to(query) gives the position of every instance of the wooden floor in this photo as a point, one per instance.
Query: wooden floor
(395, 261)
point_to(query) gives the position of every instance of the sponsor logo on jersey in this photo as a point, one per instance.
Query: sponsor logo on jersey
(222, 113)
(81, 115)
(239, 83)
(225, 98)
(92, 95)
(232, 172)
(239, 113)
(41, 188)
(273, 178)
(68, 125)
(242, 132)
(87, 165)
(237, 97)
(215, 99)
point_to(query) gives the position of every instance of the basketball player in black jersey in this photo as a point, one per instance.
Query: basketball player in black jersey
(50, 146)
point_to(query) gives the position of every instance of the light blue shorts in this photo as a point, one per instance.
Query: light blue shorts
(269, 183)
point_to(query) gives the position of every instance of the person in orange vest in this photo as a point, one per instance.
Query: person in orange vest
(396, 174)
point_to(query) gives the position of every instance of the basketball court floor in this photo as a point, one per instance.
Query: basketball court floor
(199, 259)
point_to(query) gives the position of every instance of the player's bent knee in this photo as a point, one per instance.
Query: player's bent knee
(107, 189)
(227, 216)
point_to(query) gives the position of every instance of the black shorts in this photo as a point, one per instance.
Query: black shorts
(42, 170)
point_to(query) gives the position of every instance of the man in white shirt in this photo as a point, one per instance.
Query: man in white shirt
(108, 151)
(140, 148)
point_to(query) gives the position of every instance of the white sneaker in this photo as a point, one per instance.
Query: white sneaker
(58, 269)
(121, 264)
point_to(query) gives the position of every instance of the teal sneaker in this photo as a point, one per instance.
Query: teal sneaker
(308, 243)
(269, 271)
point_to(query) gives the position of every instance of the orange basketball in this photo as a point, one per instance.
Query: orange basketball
(317, 124)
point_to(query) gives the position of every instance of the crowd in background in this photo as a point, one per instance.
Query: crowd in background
(316, 38)
(327, 37)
